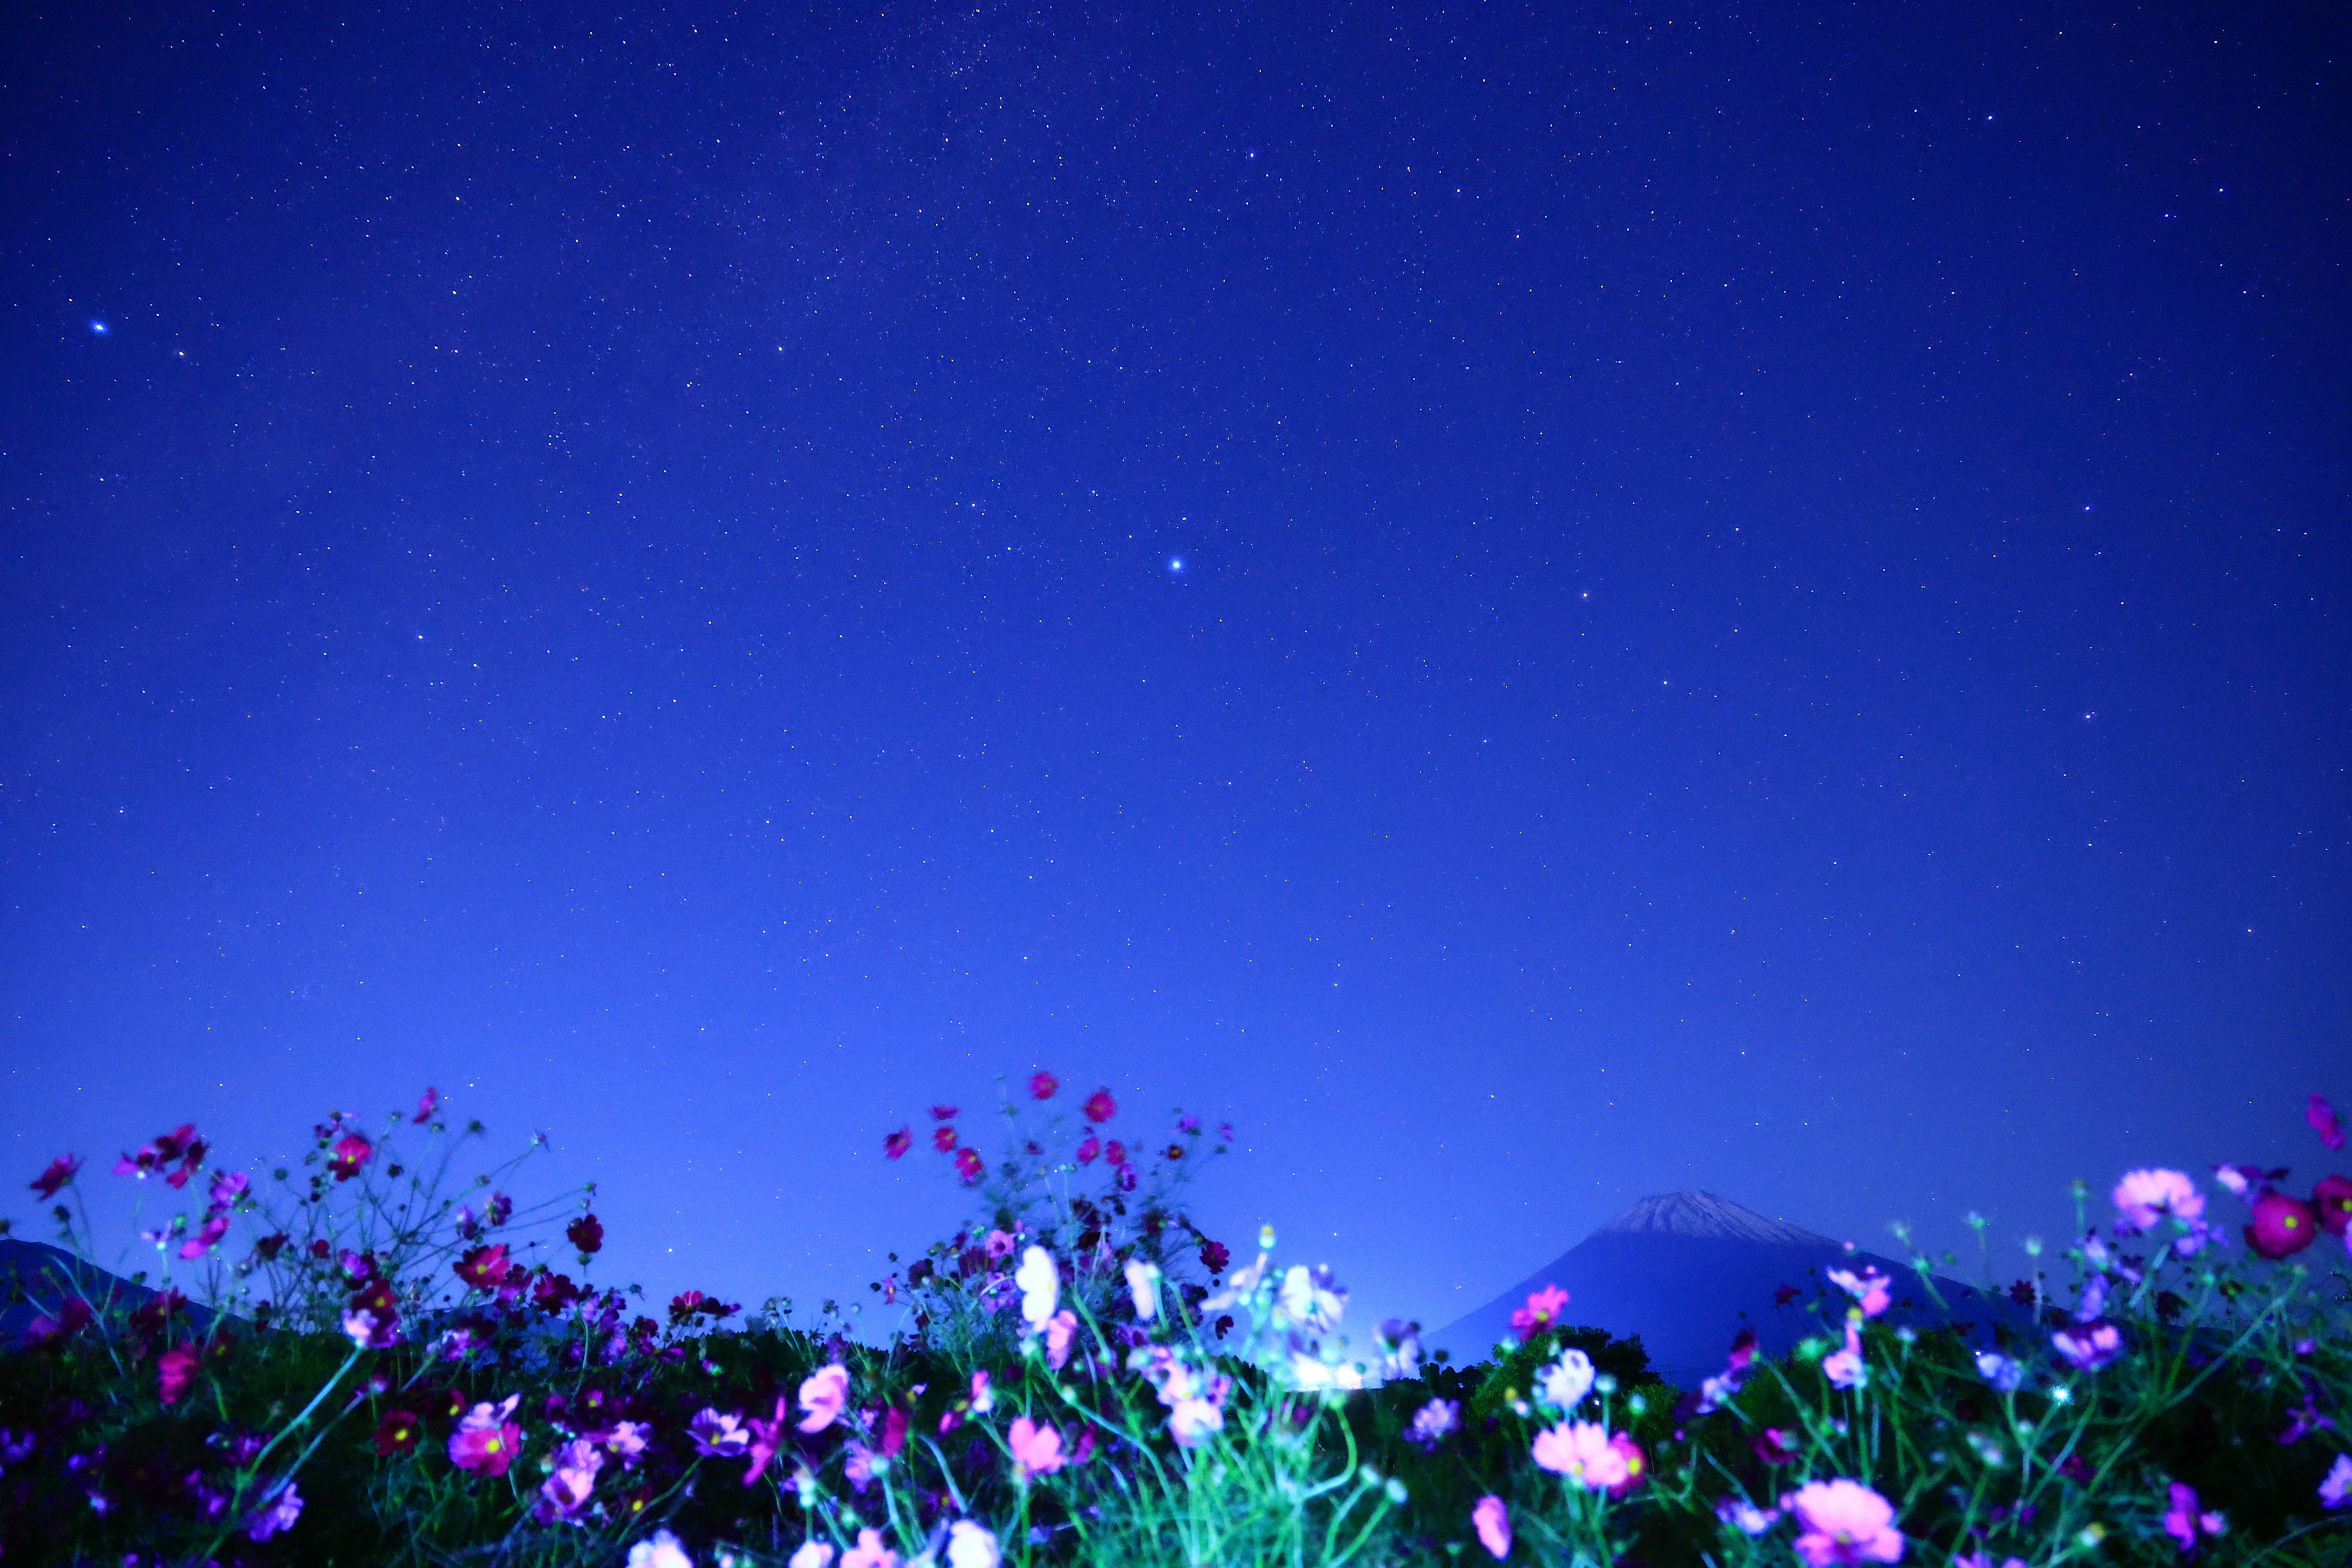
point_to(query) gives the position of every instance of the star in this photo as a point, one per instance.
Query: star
(1176, 564)
(99, 328)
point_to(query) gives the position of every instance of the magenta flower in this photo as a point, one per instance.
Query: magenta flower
(228, 1186)
(484, 1266)
(206, 1240)
(943, 1138)
(2331, 1198)
(970, 1166)
(1036, 1449)
(1541, 1312)
(1090, 1150)
(823, 1395)
(2322, 1117)
(277, 1515)
(1491, 1518)
(486, 1442)
(869, 1552)
(1581, 1450)
(1869, 1289)
(174, 1370)
(62, 1171)
(1844, 1521)
(2145, 1197)
(350, 1153)
(1043, 1085)
(897, 1143)
(427, 1104)
(2184, 1523)
(2282, 1226)
(2089, 1346)
(1100, 1106)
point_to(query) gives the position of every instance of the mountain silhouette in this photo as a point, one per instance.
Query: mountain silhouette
(36, 1280)
(1687, 1271)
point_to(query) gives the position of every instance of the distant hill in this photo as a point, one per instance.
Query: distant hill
(45, 1276)
(1687, 1271)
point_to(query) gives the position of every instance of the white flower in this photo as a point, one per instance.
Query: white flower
(1041, 1286)
(1143, 1285)
(1240, 1285)
(1309, 1372)
(970, 1546)
(812, 1554)
(1566, 1381)
(1311, 1300)
(662, 1551)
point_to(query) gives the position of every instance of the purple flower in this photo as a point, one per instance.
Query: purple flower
(2087, 1347)
(284, 1507)
(1432, 1422)
(719, 1436)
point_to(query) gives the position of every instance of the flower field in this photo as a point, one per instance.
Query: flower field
(399, 1365)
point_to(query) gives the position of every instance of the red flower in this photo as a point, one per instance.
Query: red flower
(1090, 1150)
(1043, 1085)
(586, 1233)
(485, 1265)
(1173, 1152)
(351, 1151)
(174, 1369)
(969, 1166)
(180, 1143)
(1114, 1154)
(1101, 1106)
(62, 1171)
(943, 1113)
(396, 1433)
(2283, 1225)
(2333, 1198)
(943, 1138)
(897, 1143)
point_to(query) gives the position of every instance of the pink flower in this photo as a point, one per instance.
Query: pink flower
(1059, 1327)
(1000, 1245)
(174, 1370)
(2322, 1117)
(484, 1266)
(970, 1166)
(351, 1151)
(2332, 1199)
(1114, 1154)
(1090, 1150)
(62, 1171)
(206, 1240)
(2183, 1522)
(1036, 1451)
(1043, 1085)
(1580, 1451)
(1541, 1312)
(1844, 1522)
(486, 1442)
(1637, 1463)
(718, 1436)
(943, 1138)
(982, 1400)
(869, 1552)
(278, 1514)
(1492, 1516)
(565, 1491)
(1869, 1289)
(2336, 1487)
(2144, 1197)
(823, 1395)
(2283, 1225)
(812, 1554)
(1193, 1420)
(1100, 1106)
(767, 1437)
(1846, 1368)
(897, 1143)
(2089, 1346)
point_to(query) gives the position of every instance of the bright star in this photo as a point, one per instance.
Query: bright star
(98, 326)
(1175, 563)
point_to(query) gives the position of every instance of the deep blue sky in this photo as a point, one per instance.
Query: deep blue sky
(1762, 603)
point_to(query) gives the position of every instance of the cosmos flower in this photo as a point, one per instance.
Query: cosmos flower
(2282, 1225)
(943, 1138)
(1399, 1341)
(1041, 1286)
(586, 1235)
(1580, 1451)
(1845, 1367)
(428, 1104)
(484, 1266)
(1090, 1150)
(1541, 1312)
(567, 1487)
(2336, 1487)
(1775, 1446)
(1843, 1522)
(1564, 1383)
(1746, 1517)
(869, 1552)
(969, 1166)
(486, 1442)
(350, 1153)
(971, 1546)
(62, 1171)
(371, 1330)
(983, 1399)
(822, 1393)
(1637, 1463)
(2331, 1199)
(1115, 1155)
(1143, 1287)
(812, 1554)
(2322, 1117)
(1036, 1449)
(718, 1436)
(1491, 1517)
(1434, 1423)
(205, 1239)
(1059, 1330)
(1100, 1106)
(1999, 1371)
(2089, 1346)
(277, 1515)
(1043, 1085)
(2145, 1197)
(1869, 1289)
(2184, 1523)
(396, 1433)
(173, 1371)
(895, 1147)
(1310, 1298)
(662, 1551)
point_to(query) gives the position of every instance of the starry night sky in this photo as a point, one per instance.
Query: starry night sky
(1761, 602)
